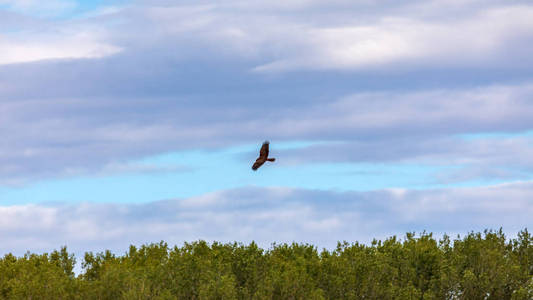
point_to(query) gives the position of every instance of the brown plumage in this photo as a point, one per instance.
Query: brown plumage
(263, 156)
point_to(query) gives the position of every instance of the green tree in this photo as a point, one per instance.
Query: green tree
(478, 266)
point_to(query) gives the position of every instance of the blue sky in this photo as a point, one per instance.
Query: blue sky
(192, 173)
(135, 121)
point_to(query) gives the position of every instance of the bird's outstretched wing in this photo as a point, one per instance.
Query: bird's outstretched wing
(259, 162)
(263, 153)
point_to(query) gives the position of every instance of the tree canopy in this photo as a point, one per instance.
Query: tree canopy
(477, 266)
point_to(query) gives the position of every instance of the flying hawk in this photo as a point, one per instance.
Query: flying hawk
(263, 156)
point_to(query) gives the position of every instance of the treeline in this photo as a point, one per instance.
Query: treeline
(477, 266)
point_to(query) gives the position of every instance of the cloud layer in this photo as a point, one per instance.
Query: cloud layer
(170, 62)
(155, 76)
(54, 137)
(266, 215)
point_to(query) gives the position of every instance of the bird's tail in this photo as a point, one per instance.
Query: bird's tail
(271, 159)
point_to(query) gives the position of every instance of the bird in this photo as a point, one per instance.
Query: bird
(263, 156)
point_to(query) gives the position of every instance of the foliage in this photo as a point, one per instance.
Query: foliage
(478, 266)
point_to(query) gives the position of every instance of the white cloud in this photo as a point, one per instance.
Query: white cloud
(35, 47)
(309, 35)
(27, 37)
(432, 112)
(481, 39)
(266, 215)
(339, 35)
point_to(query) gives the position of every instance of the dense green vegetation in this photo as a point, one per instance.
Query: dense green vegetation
(477, 266)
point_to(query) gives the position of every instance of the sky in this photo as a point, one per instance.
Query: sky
(130, 122)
